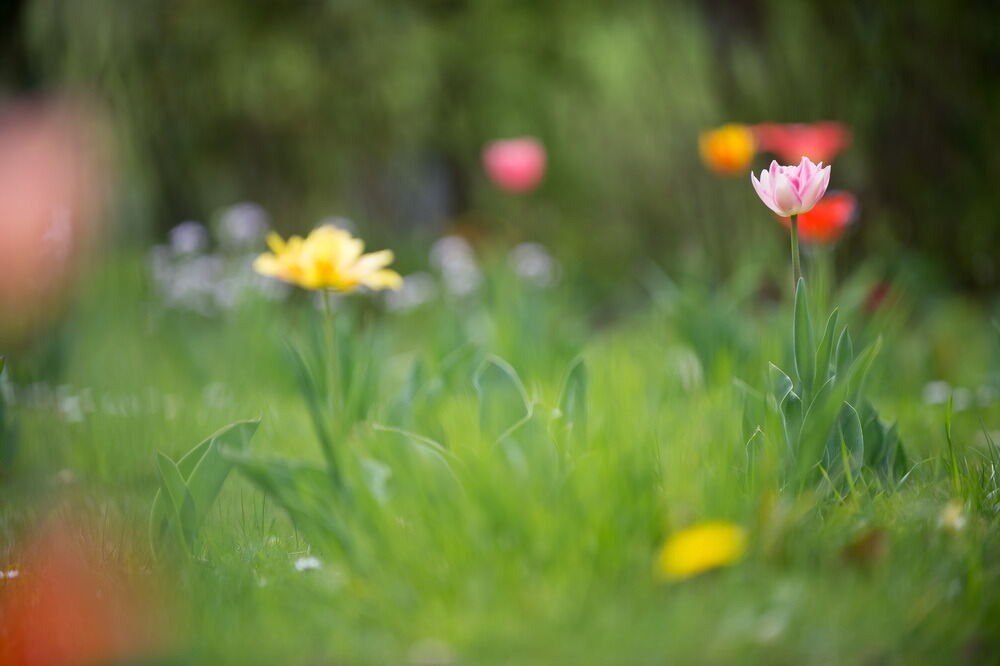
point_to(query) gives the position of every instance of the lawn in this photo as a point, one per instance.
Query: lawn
(494, 473)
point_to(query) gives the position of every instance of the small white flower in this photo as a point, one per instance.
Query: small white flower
(533, 264)
(936, 393)
(243, 226)
(308, 563)
(431, 652)
(417, 289)
(952, 517)
(455, 258)
(188, 238)
(961, 399)
(9, 574)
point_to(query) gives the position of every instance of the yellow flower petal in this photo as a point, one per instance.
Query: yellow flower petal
(267, 264)
(373, 261)
(383, 279)
(700, 548)
(275, 242)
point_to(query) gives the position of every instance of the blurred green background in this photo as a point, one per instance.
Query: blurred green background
(377, 110)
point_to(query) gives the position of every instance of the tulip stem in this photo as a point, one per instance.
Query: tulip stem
(796, 265)
(333, 362)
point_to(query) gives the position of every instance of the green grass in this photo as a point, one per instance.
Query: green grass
(537, 549)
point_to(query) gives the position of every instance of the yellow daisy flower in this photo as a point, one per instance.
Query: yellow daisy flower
(328, 258)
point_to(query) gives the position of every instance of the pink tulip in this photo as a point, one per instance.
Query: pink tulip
(515, 165)
(790, 190)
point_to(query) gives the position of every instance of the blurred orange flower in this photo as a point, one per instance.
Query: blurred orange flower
(728, 149)
(65, 606)
(820, 142)
(827, 220)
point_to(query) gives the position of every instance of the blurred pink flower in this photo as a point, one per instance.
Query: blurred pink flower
(515, 165)
(54, 176)
(791, 190)
(820, 142)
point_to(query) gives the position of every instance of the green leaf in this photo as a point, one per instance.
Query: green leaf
(956, 481)
(789, 407)
(857, 373)
(503, 401)
(804, 347)
(210, 471)
(203, 472)
(573, 400)
(180, 499)
(781, 384)
(845, 352)
(820, 408)
(845, 448)
(314, 403)
(825, 351)
(883, 448)
(424, 444)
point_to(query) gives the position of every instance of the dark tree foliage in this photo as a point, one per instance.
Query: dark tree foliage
(377, 109)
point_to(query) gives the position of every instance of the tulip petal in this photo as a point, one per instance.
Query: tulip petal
(815, 189)
(759, 187)
(786, 199)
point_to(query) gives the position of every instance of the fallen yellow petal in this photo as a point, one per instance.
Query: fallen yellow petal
(700, 548)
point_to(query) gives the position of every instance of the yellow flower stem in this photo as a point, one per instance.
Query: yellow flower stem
(796, 266)
(333, 362)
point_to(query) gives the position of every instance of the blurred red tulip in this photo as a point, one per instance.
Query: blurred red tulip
(53, 179)
(515, 165)
(828, 219)
(66, 607)
(820, 142)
